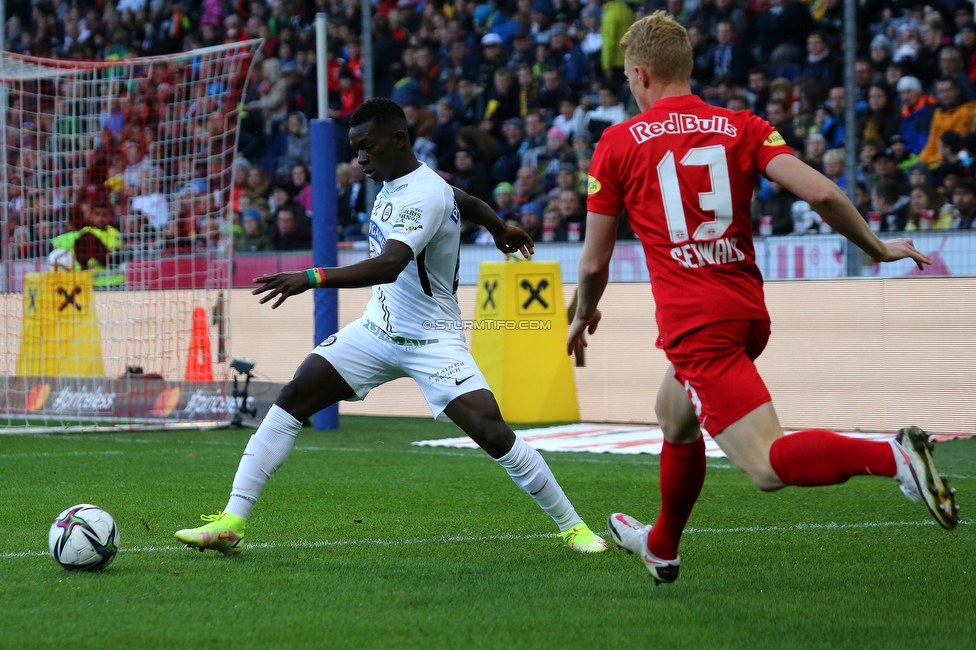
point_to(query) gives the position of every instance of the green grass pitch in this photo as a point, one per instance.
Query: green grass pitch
(362, 541)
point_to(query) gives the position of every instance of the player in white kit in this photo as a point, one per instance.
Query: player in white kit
(414, 247)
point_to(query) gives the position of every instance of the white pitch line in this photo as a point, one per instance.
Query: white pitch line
(47, 454)
(456, 539)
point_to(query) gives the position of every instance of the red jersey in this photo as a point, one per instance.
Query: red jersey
(685, 172)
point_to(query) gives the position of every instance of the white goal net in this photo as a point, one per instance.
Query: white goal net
(117, 198)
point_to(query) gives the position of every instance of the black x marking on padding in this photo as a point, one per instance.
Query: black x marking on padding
(31, 299)
(534, 293)
(490, 289)
(69, 298)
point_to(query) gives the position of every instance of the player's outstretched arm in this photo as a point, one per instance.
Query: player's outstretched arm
(507, 238)
(382, 269)
(594, 271)
(832, 204)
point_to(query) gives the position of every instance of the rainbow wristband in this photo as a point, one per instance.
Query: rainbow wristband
(316, 277)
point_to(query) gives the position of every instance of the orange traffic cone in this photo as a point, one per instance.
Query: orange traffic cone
(198, 362)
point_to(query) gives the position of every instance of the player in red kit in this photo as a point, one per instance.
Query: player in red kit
(685, 172)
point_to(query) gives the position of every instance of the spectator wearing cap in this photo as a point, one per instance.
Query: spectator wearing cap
(903, 157)
(886, 169)
(617, 19)
(881, 120)
(569, 58)
(494, 57)
(951, 115)
(918, 175)
(504, 200)
(510, 155)
(880, 51)
(252, 238)
(917, 111)
(565, 180)
(531, 218)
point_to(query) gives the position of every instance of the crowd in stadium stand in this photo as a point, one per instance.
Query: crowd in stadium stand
(507, 101)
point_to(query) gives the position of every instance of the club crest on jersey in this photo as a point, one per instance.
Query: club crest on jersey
(774, 140)
(592, 185)
(678, 123)
(387, 212)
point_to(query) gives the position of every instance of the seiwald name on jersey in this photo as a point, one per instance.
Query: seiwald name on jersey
(419, 210)
(685, 173)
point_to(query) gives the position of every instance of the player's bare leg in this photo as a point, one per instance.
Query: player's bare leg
(682, 477)
(477, 414)
(316, 385)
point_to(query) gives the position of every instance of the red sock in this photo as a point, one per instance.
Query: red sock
(817, 457)
(682, 477)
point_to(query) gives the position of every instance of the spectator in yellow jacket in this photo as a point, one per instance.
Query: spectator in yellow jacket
(951, 115)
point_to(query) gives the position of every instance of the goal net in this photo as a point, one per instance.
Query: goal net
(115, 267)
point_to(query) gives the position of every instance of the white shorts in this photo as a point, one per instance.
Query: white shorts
(367, 357)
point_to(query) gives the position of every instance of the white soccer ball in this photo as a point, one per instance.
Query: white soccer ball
(84, 538)
(61, 260)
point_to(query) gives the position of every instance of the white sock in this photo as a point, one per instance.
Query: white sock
(266, 451)
(530, 472)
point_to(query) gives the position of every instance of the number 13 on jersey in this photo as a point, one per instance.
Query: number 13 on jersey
(717, 200)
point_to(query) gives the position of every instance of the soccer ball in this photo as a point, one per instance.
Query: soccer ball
(84, 538)
(61, 260)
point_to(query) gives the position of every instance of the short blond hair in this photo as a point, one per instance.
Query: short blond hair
(660, 44)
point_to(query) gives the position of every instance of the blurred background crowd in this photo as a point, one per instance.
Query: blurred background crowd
(508, 99)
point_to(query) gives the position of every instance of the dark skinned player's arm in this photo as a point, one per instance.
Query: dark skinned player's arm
(478, 212)
(382, 269)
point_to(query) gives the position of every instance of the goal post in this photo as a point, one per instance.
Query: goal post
(119, 198)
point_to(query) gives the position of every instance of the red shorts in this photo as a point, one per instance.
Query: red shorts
(715, 365)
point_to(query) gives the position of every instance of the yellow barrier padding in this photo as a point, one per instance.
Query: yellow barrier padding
(60, 335)
(519, 341)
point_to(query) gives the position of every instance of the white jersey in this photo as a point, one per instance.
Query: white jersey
(418, 209)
